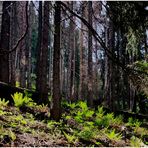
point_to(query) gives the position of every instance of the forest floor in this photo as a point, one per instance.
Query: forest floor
(29, 126)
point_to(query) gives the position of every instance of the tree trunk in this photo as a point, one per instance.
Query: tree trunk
(29, 45)
(22, 47)
(90, 65)
(43, 55)
(4, 43)
(1, 9)
(83, 72)
(111, 67)
(56, 108)
(38, 66)
(71, 57)
(13, 39)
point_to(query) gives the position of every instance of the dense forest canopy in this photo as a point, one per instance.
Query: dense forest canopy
(94, 51)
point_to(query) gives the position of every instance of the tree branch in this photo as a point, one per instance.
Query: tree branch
(99, 39)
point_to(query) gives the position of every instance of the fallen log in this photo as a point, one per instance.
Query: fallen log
(127, 114)
(7, 90)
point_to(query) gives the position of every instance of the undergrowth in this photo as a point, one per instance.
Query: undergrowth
(79, 126)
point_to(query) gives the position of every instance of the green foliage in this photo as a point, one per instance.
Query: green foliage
(70, 138)
(132, 45)
(17, 84)
(140, 76)
(51, 124)
(12, 135)
(112, 135)
(118, 120)
(2, 113)
(135, 142)
(142, 65)
(83, 114)
(50, 98)
(133, 122)
(19, 100)
(33, 78)
(79, 110)
(100, 112)
(86, 133)
(68, 117)
(83, 106)
(103, 120)
(9, 133)
(3, 102)
(18, 119)
(80, 125)
(70, 105)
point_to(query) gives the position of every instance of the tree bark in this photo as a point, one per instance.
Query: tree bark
(56, 108)
(4, 43)
(43, 53)
(29, 45)
(71, 57)
(22, 47)
(111, 67)
(83, 72)
(13, 39)
(90, 65)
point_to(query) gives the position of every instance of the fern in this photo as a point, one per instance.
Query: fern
(100, 112)
(86, 133)
(135, 142)
(133, 122)
(83, 106)
(19, 100)
(12, 135)
(118, 120)
(2, 113)
(113, 136)
(3, 102)
(89, 113)
(70, 138)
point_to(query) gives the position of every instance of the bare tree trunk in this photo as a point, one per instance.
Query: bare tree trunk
(29, 45)
(90, 65)
(1, 7)
(71, 57)
(56, 108)
(38, 67)
(13, 38)
(22, 26)
(73, 69)
(83, 72)
(106, 76)
(43, 56)
(111, 67)
(4, 43)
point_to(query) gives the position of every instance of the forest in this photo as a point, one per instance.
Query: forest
(73, 74)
